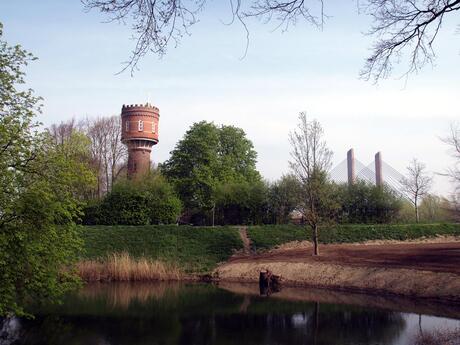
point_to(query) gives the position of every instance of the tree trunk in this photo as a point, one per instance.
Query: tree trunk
(315, 240)
(416, 211)
(213, 213)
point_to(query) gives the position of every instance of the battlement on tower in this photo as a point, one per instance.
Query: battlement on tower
(134, 107)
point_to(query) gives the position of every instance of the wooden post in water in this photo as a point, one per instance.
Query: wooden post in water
(269, 283)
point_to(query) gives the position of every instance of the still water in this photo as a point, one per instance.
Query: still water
(166, 313)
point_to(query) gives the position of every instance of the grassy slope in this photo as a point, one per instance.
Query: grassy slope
(199, 249)
(196, 249)
(268, 236)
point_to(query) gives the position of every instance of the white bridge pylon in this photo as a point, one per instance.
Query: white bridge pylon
(377, 172)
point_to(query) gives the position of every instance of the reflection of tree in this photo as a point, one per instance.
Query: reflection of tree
(246, 303)
(86, 330)
(203, 314)
(356, 325)
(319, 326)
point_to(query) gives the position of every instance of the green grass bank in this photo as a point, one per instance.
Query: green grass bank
(269, 236)
(193, 249)
(200, 249)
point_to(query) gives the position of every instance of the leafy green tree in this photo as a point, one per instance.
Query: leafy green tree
(206, 157)
(364, 202)
(236, 156)
(151, 200)
(38, 206)
(75, 150)
(284, 198)
(242, 203)
(193, 165)
(164, 205)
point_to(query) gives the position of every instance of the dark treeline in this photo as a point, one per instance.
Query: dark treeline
(211, 179)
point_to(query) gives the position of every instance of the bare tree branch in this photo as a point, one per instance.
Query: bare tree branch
(453, 140)
(311, 160)
(288, 12)
(404, 29)
(107, 151)
(417, 184)
(155, 23)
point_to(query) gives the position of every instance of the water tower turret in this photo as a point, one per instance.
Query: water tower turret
(139, 132)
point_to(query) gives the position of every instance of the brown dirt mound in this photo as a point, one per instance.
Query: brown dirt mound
(429, 270)
(436, 257)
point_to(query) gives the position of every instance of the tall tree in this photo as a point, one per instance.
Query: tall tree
(236, 156)
(108, 153)
(400, 27)
(453, 141)
(38, 207)
(417, 184)
(434, 208)
(74, 145)
(206, 157)
(311, 161)
(62, 132)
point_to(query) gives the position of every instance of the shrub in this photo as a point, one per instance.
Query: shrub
(364, 202)
(150, 201)
(241, 203)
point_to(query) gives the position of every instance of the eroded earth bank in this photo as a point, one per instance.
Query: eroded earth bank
(422, 270)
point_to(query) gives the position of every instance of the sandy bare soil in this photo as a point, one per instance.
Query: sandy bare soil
(429, 270)
(436, 257)
(436, 239)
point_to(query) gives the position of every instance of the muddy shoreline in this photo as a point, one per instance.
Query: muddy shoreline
(428, 271)
(386, 301)
(430, 286)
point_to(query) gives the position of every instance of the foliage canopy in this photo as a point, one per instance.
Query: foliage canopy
(38, 196)
(207, 157)
(151, 200)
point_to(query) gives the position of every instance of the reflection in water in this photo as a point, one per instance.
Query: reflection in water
(177, 313)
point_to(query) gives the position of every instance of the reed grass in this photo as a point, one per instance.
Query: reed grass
(123, 267)
(193, 249)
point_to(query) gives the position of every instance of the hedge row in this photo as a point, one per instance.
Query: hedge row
(196, 249)
(269, 236)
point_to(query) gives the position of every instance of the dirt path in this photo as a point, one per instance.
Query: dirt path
(243, 231)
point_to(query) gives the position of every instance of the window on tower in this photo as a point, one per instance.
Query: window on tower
(153, 127)
(127, 126)
(141, 125)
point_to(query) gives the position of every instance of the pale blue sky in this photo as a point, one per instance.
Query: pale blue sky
(282, 74)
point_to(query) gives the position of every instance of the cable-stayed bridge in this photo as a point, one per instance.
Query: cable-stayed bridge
(377, 172)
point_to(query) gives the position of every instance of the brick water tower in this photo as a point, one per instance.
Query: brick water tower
(139, 132)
